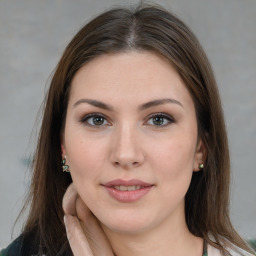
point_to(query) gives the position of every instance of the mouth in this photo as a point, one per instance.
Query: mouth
(127, 188)
(127, 191)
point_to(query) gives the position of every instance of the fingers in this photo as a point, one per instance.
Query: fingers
(73, 205)
(82, 211)
(76, 237)
(69, 200)
(84, 232)
(75, 234)
(93, 231)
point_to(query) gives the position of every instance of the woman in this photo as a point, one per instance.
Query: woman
(133, 113)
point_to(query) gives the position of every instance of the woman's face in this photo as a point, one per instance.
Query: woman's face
(131, 140)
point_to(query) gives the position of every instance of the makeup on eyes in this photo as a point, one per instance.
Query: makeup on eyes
(97, 120)
(161, 119)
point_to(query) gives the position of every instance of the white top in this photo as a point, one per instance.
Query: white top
(234, 251)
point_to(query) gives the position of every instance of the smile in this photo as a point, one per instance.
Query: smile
(127, 188)
(127, 191)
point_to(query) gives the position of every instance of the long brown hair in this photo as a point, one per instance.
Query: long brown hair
(146, 28)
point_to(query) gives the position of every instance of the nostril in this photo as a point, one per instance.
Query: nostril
(126, 165)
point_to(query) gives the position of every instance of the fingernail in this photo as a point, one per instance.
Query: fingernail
(65, 218)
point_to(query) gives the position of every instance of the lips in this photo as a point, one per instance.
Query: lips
(127, 190)
(133, 182)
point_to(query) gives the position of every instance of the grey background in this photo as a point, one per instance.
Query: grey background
(33, 35)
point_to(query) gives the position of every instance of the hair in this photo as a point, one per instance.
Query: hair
(145, 28)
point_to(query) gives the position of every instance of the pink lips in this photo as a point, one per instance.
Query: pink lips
(138, 189)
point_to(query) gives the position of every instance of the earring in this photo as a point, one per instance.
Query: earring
(201, 166)
(65, 167)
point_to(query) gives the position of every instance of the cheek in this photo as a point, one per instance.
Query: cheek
(173, 162)
(85, 158)
(85, 169)
(178, 151)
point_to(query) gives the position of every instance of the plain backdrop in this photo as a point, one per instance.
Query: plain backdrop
(33, 34)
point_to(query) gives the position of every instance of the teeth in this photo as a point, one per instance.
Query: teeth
(127, 188)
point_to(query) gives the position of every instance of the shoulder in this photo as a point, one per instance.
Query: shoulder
(236, 251)
(28, 245)
(13, 248)
(232, 249)
(19, 247)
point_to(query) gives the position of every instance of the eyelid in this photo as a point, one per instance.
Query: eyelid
(84, 119)
(161, 114)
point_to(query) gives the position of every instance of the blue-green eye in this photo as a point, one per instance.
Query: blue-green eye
(95, 120)
(160, 119)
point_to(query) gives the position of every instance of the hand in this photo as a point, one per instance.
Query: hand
(85, 235)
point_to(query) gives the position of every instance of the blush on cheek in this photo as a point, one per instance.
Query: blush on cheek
(177, 168)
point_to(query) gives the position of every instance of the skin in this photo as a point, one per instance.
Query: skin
(128, 143)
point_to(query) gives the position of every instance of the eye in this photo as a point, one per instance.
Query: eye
(95, 120)
(160, 119)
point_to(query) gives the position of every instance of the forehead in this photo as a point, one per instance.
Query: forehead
(130, 76)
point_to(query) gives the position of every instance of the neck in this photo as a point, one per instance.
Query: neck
(165, 239)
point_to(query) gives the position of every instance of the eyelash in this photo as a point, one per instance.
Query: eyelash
(167, 118)
(85, 119)
(164, 116)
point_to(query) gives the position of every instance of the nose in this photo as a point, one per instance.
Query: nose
(126, 149)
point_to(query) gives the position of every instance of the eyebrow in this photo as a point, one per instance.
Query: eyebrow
(95, 103)
(153, 103)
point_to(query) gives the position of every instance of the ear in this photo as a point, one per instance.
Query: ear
(200, 155)
(63, 150)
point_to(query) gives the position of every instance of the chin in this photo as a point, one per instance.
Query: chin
(127, 228)
(127, 223)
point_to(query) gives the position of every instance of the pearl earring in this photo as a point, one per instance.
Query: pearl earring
(201, 166)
